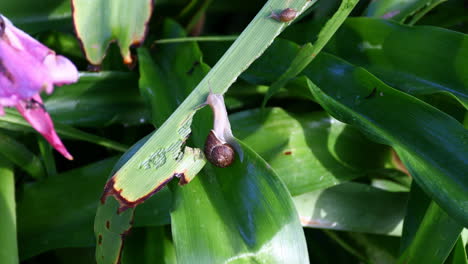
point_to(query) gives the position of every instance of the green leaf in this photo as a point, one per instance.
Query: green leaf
(148, 246)
(353, 207)
(401, 57)
(241, 54)
(21, 156)
(378, 248)
(352, 95)
(401, 10)
(47, 153)
(156, 86)
(12, 120)
(97, 23)
(427, 228)
(308, 52)
(418, 202)
(193, 13)
(58, 212)
(308, 151)
(167, 79)
(35, 16)
(150, 163)
(346, 246)
(243, 214)
(8, 240)
(434, 239)
(98, 99)
(110, 241)
(393, 181)
(459, 253)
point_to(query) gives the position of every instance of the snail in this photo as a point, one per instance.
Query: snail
(220, 143)
(286, 15)
(219, 153)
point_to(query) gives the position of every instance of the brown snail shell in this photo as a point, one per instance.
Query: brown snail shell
(286, 15)
(219, 153)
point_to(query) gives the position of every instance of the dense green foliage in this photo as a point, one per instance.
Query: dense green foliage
(352, 119)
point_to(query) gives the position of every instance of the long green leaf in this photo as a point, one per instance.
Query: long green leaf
(243, 214)
(14, 121)
(148, 246)
(440, 173)
(418, 202)
(173, 78)
(178, 66)
(8, 240)
(149, 167)
(98, 99)
(353, 207)
(400, 55)
(110, 240)
(163, 82)
(434, 239)
(378, 248)
(308, 151)
(353, 96)
(400, 10)
(58, 212)
(21, 156)
(35, 16)
(459, 253)
(308, 52)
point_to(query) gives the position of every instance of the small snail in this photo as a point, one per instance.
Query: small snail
(220, 143)
(219, 153)
(286, 15)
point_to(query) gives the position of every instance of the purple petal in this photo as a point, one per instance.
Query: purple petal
(40, 120)
(21, 75)
(26, 68)
(22, 41)
(61, 70)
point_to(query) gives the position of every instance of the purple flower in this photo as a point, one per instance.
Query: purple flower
(26, 68)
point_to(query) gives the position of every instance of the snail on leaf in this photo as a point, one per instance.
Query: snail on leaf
(220, 145)
(286, 15)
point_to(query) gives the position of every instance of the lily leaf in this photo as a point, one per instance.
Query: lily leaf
(353, 207)
(435, 238)
(414, 137)
(14, 121)
(97, 23)
(400, 10)
(158, 159)
(8, 240)
(21, 156)
(308, 151)
(34, 16)
(353, 95)
(308, 52)
(243, 214)
(169, 79)
(98, 99)
(59, 211)
(399, 55)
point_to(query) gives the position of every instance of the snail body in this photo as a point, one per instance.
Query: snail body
(286, 15)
